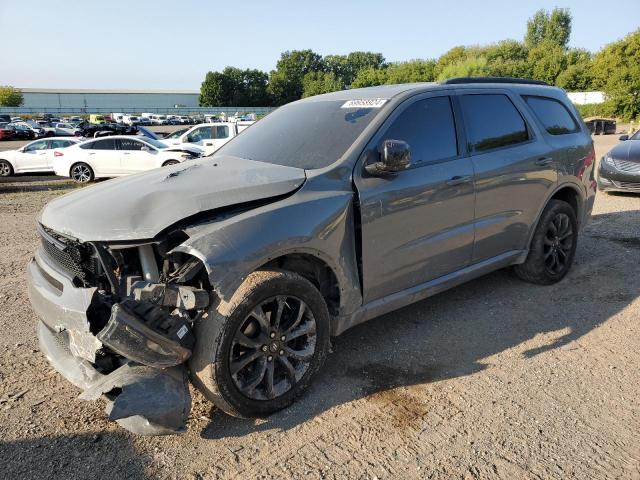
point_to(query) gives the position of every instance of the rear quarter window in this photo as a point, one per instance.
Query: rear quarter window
(553, 115)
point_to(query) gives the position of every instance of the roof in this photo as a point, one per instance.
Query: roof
(389, 91)
(107, 91)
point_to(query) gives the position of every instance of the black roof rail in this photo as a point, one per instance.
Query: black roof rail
(460, 80)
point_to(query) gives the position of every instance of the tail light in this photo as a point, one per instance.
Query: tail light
(58, 154)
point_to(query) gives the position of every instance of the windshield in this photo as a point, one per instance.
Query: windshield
(636, 136)
(306, 135)
(177, 133)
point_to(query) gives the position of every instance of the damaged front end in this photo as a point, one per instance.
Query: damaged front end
(117, 321)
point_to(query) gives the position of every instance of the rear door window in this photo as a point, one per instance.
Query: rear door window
(40, 145)
(221, 131)
(553, 115)
(59, 143)
(106, 144)
(492, 121)
(429, 129)
(129, 144)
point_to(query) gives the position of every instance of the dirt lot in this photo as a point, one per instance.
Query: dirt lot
(493, 379)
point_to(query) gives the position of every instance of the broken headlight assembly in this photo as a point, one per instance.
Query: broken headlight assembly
(152, 299)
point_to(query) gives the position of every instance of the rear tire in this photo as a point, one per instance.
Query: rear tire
(6, 170)
(553, 245)
(257, 353)
(81, 173)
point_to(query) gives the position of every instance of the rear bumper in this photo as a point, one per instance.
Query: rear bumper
(142, 399)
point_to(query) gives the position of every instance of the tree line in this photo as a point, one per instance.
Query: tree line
(543, 54)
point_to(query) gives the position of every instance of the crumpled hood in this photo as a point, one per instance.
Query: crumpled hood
(140, 206)
(627, 150)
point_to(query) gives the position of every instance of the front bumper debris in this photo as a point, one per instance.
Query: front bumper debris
(143, 399)
(134, 330)
(149, 401)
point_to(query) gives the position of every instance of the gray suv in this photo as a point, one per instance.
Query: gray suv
(234, 271)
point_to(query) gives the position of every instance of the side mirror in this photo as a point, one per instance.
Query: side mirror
(394, 157)
(622, 138)
(187, 140)
(145, 149)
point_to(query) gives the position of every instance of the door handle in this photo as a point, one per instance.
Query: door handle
(458, 180)
(126, 153)
(544, 161)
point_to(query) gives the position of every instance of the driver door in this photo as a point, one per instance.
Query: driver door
(33, 157)
(417, 224)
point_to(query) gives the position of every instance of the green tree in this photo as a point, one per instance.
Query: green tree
(578, 73)
(234, 87)
(616, 69)
(554, 27)
(316, 83)
(403, 72)
(455, 55)
(10, 96)
(285, 82)
(347, 67)
(470, 67)
(547, 61)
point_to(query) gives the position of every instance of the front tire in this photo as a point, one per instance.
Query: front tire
(170, 162)
(553, 245)
(6, 170)
(81, 173)
(257, 353)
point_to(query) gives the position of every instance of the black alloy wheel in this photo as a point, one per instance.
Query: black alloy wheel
(273, 347)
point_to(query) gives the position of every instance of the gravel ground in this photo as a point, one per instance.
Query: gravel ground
(493, 379)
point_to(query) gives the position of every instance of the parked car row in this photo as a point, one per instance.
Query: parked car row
(84, 161)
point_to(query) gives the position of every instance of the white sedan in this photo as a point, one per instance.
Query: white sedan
(116, 156)
(36, 156)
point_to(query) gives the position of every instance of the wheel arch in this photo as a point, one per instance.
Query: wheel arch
(314, 269)
(76, 162)
(567, 192)
(11, 164)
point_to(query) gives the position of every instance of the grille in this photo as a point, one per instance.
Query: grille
(628, 185)
(68, 255)
(627, 166)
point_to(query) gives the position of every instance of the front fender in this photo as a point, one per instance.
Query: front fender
(317, 223)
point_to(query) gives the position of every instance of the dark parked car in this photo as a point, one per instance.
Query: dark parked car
(620, 168)
(235, 270)
(21, 132)
(91, 130)
(601, 126)
(5, 119)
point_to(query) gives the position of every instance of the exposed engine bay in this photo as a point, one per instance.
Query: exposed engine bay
(144, 303)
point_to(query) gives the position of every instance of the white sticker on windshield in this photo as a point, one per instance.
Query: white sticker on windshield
(365, 103)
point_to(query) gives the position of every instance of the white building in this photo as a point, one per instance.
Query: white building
(583, 98)
(90, 100)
